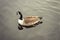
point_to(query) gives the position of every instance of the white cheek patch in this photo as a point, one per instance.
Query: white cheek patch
(20, 21)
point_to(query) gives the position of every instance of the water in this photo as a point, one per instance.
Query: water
(48, 9)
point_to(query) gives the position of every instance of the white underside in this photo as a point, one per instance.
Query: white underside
(20, 21)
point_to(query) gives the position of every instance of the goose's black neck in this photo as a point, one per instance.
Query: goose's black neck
(21, 17)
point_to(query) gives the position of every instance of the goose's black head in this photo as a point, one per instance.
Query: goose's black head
(21, 16)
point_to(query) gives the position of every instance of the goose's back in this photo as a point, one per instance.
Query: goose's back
(30, 19)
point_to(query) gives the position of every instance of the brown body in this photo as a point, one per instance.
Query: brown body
(30, 19)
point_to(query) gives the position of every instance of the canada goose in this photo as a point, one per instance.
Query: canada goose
(27, 21)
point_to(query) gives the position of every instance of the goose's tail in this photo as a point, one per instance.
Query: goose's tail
(40, 17)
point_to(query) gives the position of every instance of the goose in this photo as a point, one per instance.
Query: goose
(28, 21)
